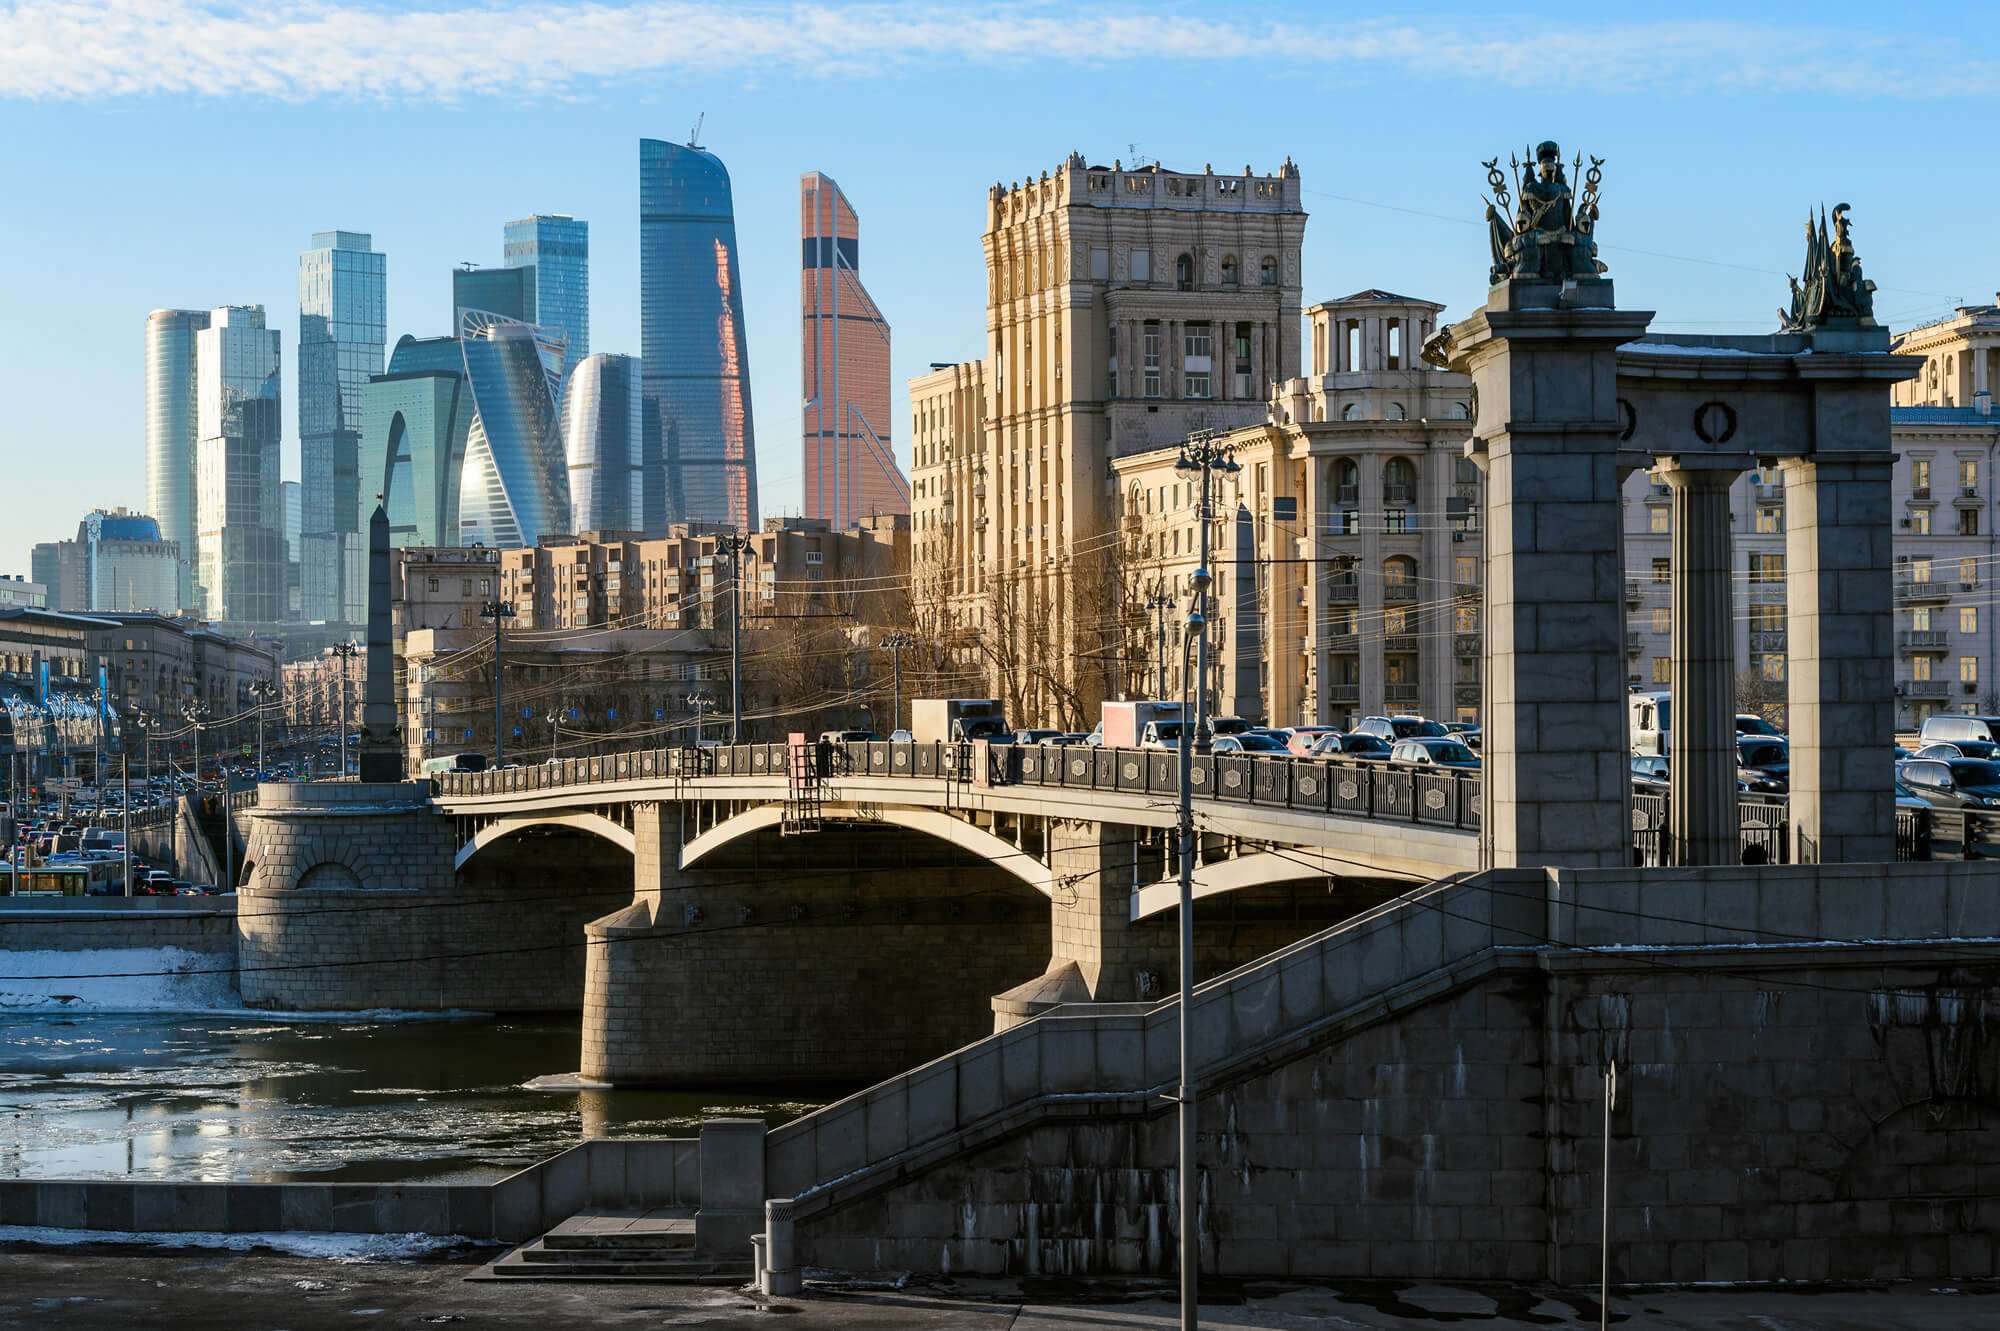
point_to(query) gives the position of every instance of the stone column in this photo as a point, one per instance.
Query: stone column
(1543, 356)
(1839, 627)
(1702, 771)
(1093, 865)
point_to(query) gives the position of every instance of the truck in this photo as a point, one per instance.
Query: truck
(1142, 725)
(956, 720)
(1652, 722)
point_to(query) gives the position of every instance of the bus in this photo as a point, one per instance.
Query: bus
(65, 878)
(457, 762)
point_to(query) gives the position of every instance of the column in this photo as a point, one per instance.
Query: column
(1702, 770)
(1369, 627)
(1840, 642)
(1557, 776)
(1318, 516)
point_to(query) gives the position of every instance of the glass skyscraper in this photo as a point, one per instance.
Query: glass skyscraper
(239, 516)
(507, 292)
(850, 467)
(514, 487)
(343, 325)
(414, 424)
(700, 444)
(602, 435)
(171, 436)
(557, 247)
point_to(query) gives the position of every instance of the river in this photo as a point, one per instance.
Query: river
(177, 1081)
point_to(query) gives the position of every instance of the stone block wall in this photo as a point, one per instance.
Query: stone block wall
(206, 929)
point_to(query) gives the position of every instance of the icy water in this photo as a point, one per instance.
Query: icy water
(172, 1080)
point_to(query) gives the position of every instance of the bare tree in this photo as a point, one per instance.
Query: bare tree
(1757, 693)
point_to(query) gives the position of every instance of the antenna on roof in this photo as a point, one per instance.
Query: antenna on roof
(694, 135)
(1139, 163)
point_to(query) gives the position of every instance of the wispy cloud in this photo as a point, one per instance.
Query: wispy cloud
(306, 49)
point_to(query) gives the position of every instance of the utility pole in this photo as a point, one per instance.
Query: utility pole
(1204, 453)
(896, 641)
(345, 651)
(499, 612)
(735, 545)
(698, 701)
(555, 725)
(125, 780)
(261, 690)
(1162, 605)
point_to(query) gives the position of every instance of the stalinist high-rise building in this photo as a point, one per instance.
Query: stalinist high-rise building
(1125, 308)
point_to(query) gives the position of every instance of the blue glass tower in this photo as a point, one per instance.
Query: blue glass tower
(343, 325)
(700, 446)
(557, 247)
(514, 487)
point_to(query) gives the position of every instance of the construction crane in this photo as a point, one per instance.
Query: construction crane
(694, 135)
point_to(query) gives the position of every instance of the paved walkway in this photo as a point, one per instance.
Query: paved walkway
(201, 1291)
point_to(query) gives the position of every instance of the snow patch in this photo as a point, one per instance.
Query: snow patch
(334, 1247)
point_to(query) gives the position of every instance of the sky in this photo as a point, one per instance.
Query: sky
(175, 153)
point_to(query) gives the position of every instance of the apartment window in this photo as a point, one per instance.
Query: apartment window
(1663, 570)
(1662, 619)
(1396, 520)
(1920, 667)
(1198, 341)
(1142, 265)
(1767, 617)
(1395, 621)
(1465, 619)
(1229, 271)
(1767, 568)
(1968, 473)
(1267, 272)
(1662, 521)
(1111, 356)
(1343, 622)
(1465, 570)
(1663, 670)
(813, 557)
(1184, 273)
(1968, 571)
(1770, 521)
(1920, 474)
(1150, 357)
(1100, 263)
(1242, 366)
(1920, 522)
(432, 584)
(1920, 619)
(1350, 523)
(1968, 670)
(1771, 665)
(1968, 522)
(1920, 568)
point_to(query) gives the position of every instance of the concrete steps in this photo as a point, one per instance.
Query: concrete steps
(614, 1245)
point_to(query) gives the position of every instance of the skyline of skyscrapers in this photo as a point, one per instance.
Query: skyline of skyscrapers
(850, 464)
(699, 436)
(557, 247)
(602, 435)
(343, 328)
(238, 506)
(171, 436)
(514, 487)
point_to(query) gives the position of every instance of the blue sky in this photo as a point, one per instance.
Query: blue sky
(174, 153)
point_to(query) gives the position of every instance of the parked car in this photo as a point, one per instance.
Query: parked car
(1649, 774)
(1950, 727)
(1909, 799)
(1249, 741)
(1763, 764)
(1953, 783)
(1077, 737)
(846, 736)
(1334, 744)
(1227, 725)
(901, 737)
(1393, 728)
(1304, 737)
(1964, 748)
(1034, 736)
(1433, 751)
(1749, 723)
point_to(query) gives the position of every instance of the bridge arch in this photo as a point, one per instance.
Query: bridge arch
(594, 823)
(1000, 852)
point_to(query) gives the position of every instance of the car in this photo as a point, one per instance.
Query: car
(901, 737)
(1160, 735)
(1034, 736)
(1075, 737)
(1393, 728)
(1950, 727)
(1909, 799)
(846, 736)
(1249, 741)
(1304, 737)
(1953, 783)
(1227, 725)
(1095, 739)
(1764, 764)
(1367, 748)
(1749, 723)
(1433, 751)
(1964, 748)
(1649, 774)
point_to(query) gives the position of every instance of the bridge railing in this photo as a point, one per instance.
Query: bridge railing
(1431, 796)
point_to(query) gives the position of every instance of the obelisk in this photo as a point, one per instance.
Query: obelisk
(381, 742)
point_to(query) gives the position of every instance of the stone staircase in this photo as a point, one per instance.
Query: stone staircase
(641, 1246)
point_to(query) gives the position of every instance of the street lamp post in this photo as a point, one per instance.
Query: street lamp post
(261, 690)
(1203, 452)
(896, 641)
(735, 545)
(1161, 605)
(698, 701)
(199, 715)
(345, 651)
(555, 724)
(499, 612)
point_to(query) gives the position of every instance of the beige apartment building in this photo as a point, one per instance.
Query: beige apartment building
(1125, 308)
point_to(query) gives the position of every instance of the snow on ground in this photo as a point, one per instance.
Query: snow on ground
(338, 1247)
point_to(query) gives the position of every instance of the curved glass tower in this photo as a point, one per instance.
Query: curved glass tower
(170, 435)
(514, 489)
(414, 424)
(602, 435)
(699, 440)
(851, 470)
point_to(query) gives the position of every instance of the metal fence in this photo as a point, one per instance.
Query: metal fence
(1433, 797)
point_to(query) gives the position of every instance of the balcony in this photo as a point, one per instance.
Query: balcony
(1925, 592)
(1343, 692)
(1466, 591)
(1632, 591)
(1399, 643)
(1927, 688)
(1920, 494)
(1632, 645)
(1343, 593)
(1399, 591)
(1772, 493)
(1396, 496)
(1405, 694)
(1921, 640)
(1343, 642)
(1347, 496)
